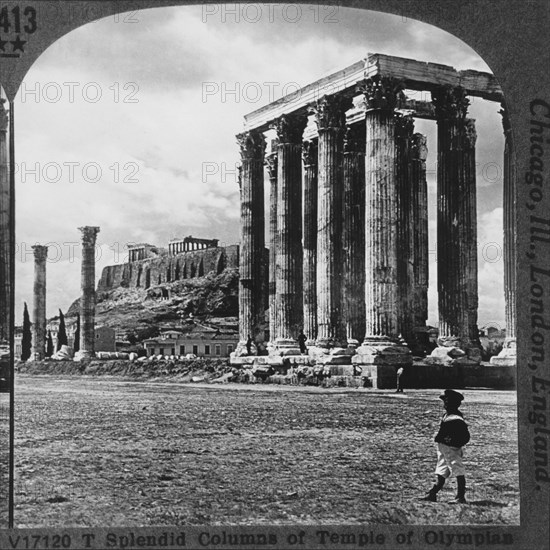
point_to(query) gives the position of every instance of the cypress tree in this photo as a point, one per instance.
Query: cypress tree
(62, 332)
(77, 334)
(49, 344)
(26, 341)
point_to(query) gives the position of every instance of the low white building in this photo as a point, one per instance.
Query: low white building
(201, 341)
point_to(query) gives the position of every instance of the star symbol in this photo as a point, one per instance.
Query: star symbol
(2, 44)
(18, 44)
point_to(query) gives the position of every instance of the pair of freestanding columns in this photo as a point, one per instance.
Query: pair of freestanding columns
(87, 301)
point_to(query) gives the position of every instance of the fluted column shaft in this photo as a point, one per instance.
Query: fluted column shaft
(87, 300)
(252, 268)
(310, 158)
(5, 260)
(39, 307)
(509, 222)
(381, 345)
(405, 229)
(289, 257)
(271, 163)
(353, 233)
(419, 234)
(330, 118)
(456, 222)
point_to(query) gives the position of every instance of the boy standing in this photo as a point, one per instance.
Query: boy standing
(453, 434)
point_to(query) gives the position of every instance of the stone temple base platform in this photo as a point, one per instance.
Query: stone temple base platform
(419, 375)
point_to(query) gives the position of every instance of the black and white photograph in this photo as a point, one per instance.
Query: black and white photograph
(274, 275)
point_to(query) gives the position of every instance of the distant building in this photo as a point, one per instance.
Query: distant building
(189, 244)
(105, 337)
(141, 251)
(201, 341)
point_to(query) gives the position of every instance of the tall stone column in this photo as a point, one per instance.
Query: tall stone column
(289, 260)
(5, 260)
(252, 268)
(330, 116)
(456, 230)
(39, 307)
(508, 354)
(419, 238)
(382, 345)
(271, 164)
(87, 300)
(403, 173)
(310, 158)
(353, 233)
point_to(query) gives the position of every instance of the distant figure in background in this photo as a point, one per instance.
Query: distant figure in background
(453, 434)
(302, 342)
(399, 382)
(249, 345)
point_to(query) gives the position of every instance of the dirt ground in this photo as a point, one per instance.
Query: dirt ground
(93, 452)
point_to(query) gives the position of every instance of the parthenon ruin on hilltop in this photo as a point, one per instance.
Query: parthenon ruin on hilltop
(348, 221)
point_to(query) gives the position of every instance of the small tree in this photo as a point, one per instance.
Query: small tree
(62, 332)
(26, 341)
(49, 344)
(77, 334)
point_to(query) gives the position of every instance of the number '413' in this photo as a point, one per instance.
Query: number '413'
(16, 21)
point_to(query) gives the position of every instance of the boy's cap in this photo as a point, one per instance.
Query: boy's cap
(452, 395)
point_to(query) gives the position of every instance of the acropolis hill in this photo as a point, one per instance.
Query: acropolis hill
(158, 287)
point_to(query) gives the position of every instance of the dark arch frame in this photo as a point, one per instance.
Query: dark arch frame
(512, 43)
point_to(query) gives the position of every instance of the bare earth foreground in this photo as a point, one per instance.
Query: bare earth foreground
(96, 452)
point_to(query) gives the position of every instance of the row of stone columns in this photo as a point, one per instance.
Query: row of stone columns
(87, 301)
(190, 244)
(346, 286)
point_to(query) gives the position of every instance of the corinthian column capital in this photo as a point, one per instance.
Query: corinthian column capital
(450, 103)
(310, 153)
(330, 111)
(505, 119)
(404, 126)
(419, 148)
(40, 253)
(271, 164)
(251, 144)
(354, 138)
(289, 128)
(3, 116)
(89, 234)
(470, 135)
(381, 92)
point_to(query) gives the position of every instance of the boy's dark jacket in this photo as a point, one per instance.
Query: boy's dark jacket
(453, 430)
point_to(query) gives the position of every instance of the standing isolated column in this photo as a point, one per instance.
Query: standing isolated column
(87, 301)
(289, 261)
(381, 345)
(419, 236)
(251, 284)
(353, 233)
(456, 230)
(5, 260)
(271, 164)
(508, 354)
(39, 308)
(405, 229)
(310, 158)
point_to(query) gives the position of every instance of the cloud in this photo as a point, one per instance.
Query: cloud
(156, 105)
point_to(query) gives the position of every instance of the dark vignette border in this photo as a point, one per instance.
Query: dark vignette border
(510, 37)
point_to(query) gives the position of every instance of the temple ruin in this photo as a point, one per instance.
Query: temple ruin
(348, 219)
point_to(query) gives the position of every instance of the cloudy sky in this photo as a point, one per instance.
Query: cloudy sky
(128, 123)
